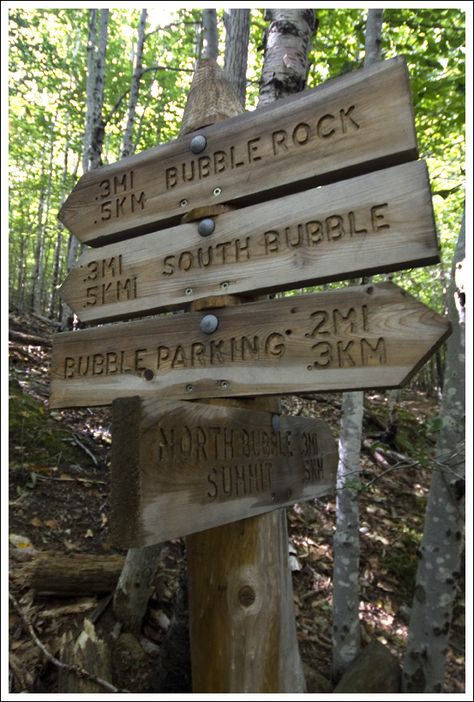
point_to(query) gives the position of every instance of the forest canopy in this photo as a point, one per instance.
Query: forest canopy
(47, 111)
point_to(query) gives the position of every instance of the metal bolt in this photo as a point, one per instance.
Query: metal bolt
(189, 388)
(188, 291)
(206, 226)
(223, 384)
(148, 374)
(216, 192)
(198, 143)
(224, 285)
(246, 596)
(209, 324)
(276, 422)
(183, 202)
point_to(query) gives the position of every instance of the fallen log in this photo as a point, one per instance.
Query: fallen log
(65, 575)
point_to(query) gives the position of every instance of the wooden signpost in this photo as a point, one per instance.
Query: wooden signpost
(350, 125)
(361, 337)
(184, 468)
(181, 467)
(379, 222)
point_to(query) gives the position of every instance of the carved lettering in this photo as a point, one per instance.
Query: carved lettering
(239, 479)
(375, 216)
(373, 353)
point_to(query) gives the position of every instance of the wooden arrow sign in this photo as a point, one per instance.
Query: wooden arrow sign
(379, 222)
(347, 126)
(351, 338)
(182, 467)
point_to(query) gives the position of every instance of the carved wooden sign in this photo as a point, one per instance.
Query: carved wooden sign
(351, 338)
(379, 222)
(181, 467)
(347, 126)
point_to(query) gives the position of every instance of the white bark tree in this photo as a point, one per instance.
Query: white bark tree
(346, 626)
(441, 547)
(286, 60)
(94, 127)
(127, 144)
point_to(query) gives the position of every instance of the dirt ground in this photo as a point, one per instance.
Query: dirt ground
(59, 505)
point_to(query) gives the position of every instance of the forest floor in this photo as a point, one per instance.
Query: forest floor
(59, 506)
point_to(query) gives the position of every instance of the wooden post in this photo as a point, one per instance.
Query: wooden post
(242, 624)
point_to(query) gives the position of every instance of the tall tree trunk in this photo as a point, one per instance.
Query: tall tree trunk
(94, 128)
(346, 626)
(127, 147)
(210, 43)
(90, 82)
(45, 246)
(441, 546)
(43, 209)
(60, 229)
(97, 136)
(237, 24)
(286, 62)
(20, 296)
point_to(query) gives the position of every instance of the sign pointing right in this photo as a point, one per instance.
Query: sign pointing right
(373, 336)
(360, 226)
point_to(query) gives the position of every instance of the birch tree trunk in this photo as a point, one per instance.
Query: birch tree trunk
(127, 147)
(237, 24)
(39, 242)
(286, 62)
(97, 135)
(60, 229)
(90, 82)
(346, 626)
(345, 609)
(442, 542)
(94, 128)
(210, 43)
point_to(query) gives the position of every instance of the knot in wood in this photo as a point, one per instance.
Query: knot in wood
(246, 596)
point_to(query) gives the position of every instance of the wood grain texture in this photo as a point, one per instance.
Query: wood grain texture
(241, 617)
(351, 338)
(365, 225)
(201, 466)
(347, 126)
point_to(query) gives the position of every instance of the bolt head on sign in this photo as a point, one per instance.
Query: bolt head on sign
(206, 226)
(345, 339)
(341, 126)
(209, 323)
(198, 143)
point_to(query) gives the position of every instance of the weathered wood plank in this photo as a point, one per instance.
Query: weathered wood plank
(350, 125)
(365, 225)
(196, 466)
(362, 337)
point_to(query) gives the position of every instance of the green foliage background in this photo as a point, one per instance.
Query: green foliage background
(47, 77)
